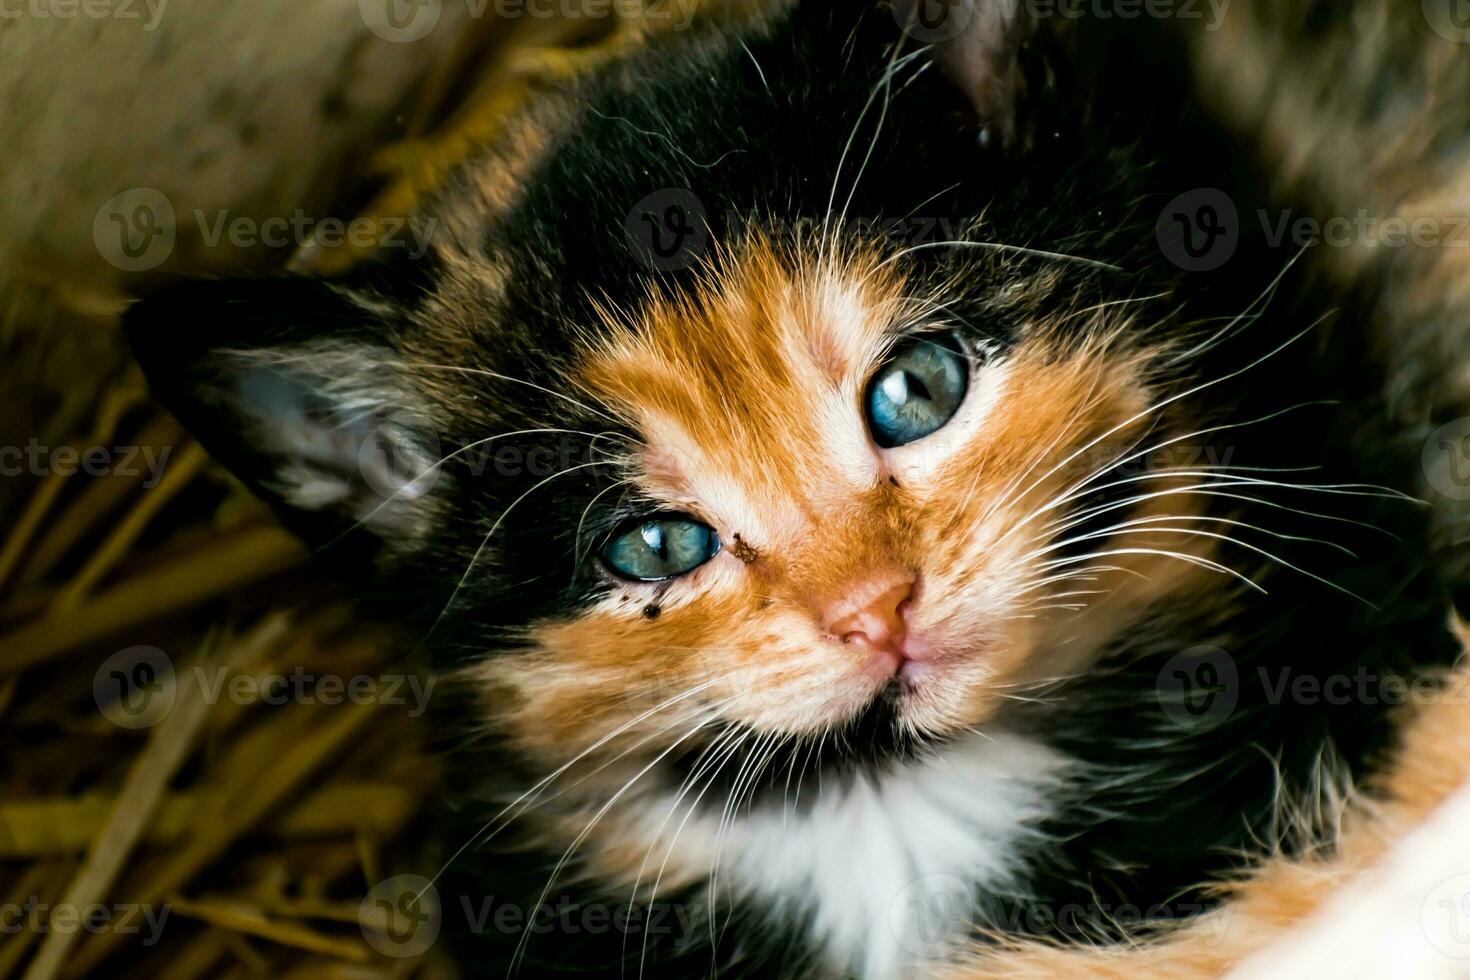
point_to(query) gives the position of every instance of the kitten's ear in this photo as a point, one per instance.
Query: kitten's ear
(292, 384)
(979, 44)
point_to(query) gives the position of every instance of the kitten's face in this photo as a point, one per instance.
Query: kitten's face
(818, 556)
(828, 482)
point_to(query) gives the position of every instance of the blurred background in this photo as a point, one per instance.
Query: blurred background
(208, 765)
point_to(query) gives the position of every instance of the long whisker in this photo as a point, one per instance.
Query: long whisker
(480, 551)
(541, 784)
(884, 84)
(717, 754)
(1205, 563)
(1215, 489)
(606, 807)
(495, 375)
(1160, 406)
(1264, 300)
(460, 452)
(1195, 532)
(1003, 248)
(1204, 518)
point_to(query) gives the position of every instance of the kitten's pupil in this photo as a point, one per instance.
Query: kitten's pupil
(916, 387)
(919, 391)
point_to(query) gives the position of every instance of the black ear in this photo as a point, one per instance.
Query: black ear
(980, 45)
(296, 386)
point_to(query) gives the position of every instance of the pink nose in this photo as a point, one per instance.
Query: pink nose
(875, 617)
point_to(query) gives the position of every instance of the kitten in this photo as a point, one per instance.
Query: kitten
(868, 505)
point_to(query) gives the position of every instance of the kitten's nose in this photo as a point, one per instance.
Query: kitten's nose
(875, 616)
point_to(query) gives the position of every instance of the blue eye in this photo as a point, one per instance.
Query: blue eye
(658, 549)
(918, 391)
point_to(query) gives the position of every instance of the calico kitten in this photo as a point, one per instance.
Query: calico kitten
(867, 506)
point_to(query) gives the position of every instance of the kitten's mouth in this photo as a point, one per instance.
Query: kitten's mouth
(793, 772)
(906, 663)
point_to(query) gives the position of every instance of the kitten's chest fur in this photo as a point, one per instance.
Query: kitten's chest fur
(885, 869)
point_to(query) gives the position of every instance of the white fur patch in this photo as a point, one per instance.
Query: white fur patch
(887, 868)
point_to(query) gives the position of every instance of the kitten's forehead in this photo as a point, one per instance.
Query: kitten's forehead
(747, 389)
